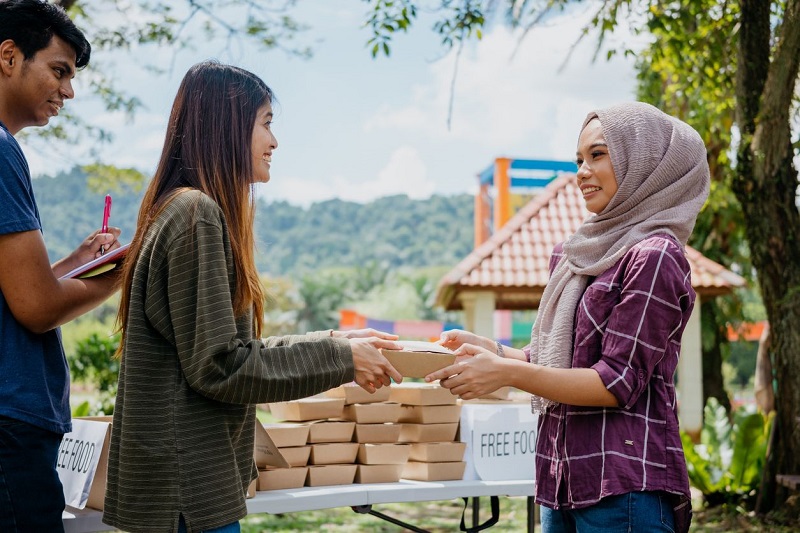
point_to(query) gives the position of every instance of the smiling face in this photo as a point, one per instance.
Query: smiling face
(264, 142)
(596, 177)
(35, 88)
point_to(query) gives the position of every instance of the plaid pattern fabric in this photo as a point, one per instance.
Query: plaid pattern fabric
(628, 327)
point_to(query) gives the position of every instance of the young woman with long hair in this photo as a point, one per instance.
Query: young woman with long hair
(193, 363)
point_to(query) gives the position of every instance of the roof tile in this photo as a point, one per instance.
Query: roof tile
(517, 256)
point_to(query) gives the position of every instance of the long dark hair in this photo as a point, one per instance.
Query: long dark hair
(208, 148)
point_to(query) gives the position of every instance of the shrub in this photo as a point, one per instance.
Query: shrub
(727, 464)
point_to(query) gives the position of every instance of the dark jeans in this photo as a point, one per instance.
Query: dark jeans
(234, 527)
(31, 497)
(626, 513)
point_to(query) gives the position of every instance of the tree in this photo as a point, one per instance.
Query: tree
(752, 52)
(114, 25)
(766, 183)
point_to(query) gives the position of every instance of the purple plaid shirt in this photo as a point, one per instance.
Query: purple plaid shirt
(628, 327)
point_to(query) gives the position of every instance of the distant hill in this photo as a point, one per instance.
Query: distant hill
(291, 240)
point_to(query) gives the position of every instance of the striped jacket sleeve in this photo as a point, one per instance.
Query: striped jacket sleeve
(218, 360)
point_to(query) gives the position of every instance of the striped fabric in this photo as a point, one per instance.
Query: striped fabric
(191, 374)
(628, 327)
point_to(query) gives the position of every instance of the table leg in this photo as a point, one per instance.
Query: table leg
(367, 509)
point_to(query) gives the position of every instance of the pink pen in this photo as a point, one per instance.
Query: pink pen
(106, 214)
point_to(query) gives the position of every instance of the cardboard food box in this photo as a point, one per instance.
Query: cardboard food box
(333, 453)
(308, 409)
(377, 433)
(437, 452)
(353, 393)
(428, 432)
(433, 471)
(296, 455)
(430, 414)
(286, 435)
(282, 478)
(330, 475)
(417, 364)
(421, 394)
(82, 462)
(330, 431)
(502, 393)
(265, 453)
(382, 454)
(372, 413)
(378, 473)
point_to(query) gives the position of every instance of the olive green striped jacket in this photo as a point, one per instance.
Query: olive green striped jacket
(190, 376)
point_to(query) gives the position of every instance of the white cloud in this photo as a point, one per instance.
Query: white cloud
(513, 104)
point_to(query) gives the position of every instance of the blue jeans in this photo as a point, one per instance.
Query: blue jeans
(230, 528)
(625, 513)
(31, 496)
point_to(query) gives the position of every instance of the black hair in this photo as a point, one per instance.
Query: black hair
(31, 24)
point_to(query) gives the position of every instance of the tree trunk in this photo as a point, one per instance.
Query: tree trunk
(766, 185)
(713, 384)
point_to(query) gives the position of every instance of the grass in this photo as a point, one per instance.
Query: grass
(445, 516)
(436, 516)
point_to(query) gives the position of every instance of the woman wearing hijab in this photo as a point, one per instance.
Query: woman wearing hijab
(606, 341)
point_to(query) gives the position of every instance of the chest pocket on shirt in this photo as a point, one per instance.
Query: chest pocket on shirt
(600, 299)
(593, 311)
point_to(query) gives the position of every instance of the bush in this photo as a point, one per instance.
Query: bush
(727, 464)
(94, 362)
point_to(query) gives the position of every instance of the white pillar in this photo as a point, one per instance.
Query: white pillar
(690, 375)
(479, 312)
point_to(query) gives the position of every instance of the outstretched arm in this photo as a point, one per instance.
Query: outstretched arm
(478, 371)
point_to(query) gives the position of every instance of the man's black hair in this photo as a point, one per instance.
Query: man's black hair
(31, 24)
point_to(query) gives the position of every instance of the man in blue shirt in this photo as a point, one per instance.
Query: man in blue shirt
(40, 51)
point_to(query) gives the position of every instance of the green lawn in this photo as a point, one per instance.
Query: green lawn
(437, 516)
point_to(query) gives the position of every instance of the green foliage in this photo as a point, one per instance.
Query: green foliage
(726, 465)
(157, 25)
(386, 18)
(386, 234)
(93, 362)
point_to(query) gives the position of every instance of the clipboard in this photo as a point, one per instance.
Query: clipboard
(102, 264)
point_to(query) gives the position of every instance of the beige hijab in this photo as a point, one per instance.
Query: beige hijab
(663, 181)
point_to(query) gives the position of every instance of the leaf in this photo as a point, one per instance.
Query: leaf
(81, 409)
(696, 466)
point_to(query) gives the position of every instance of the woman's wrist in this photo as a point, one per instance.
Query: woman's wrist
(499, 349)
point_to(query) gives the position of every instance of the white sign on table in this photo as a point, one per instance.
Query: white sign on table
(78, 457)
(501, 441)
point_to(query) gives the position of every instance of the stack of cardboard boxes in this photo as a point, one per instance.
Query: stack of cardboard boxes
(429, 417)
(348, 436)
(329, 453)
(380, 458)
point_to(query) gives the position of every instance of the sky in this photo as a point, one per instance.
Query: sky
(356, 128)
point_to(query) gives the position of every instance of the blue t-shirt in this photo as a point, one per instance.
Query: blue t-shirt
(34, 375)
